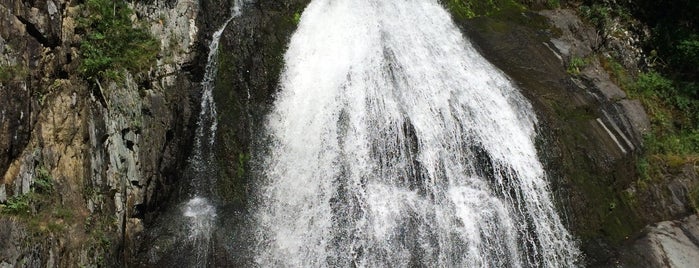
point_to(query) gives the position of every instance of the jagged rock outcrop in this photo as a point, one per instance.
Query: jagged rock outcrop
(110, 153)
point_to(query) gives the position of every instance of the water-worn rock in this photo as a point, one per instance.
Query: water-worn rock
(251, 58)
(245, 86)
(590, 131)
(666, 244)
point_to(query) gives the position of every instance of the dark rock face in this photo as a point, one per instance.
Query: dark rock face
(591, 133)
(21, 55)
(251, 60)
(588, 157)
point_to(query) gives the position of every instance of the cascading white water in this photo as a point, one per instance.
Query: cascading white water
(198, 209)
(394, 143)
(201, 215)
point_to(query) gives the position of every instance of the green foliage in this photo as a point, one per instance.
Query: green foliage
(643, 168)
(675, 35)
(111, 44)
(576, 65)
(674, 136)
(669, 102)
(10, 73)
(694, 197)
(673, 147)
(601, 15)
(17, 205)
(653, 83)
(242, 161)
(26, 203)
(617, 73)
(598, 15)
(43, 182)
(466, 9)
(553, 3)
(297, 17)
(685, 58)
(62, 213)
(688, 49)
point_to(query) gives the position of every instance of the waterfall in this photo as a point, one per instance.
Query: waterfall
(199, 211)
(393, 143)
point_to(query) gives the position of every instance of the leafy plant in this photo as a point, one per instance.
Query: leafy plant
(10, 73)
(466, 9)
(17, 205)
(43, 182)
(297, 18)
(111, 43)
(553, 3)
(576, 65)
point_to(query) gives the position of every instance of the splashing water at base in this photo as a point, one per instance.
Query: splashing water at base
(394, 144)
(201, 215)
(198, 210)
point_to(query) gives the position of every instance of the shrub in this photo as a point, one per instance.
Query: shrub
(17, 205)
(297, 18)
(576, 65)
(43, 182)
(111, 43)
(651, 83)
(553, 3)
(10, 73)
(466, 9)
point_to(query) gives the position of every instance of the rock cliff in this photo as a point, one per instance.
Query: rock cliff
(83, 165)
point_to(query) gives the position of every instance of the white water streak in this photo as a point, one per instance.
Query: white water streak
(201, 214)
(394, 143)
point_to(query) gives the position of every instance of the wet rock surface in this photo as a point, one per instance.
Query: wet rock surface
(250, 62)
(591, 132)
(248, 77)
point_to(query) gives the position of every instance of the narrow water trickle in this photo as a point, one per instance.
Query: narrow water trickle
(395, 144)
(199, 210)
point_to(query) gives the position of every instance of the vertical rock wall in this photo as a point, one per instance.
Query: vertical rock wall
(111, 153)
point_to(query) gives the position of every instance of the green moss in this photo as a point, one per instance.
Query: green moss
(42, 181)
(243, 159)
(467, 9)
(553, 3)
